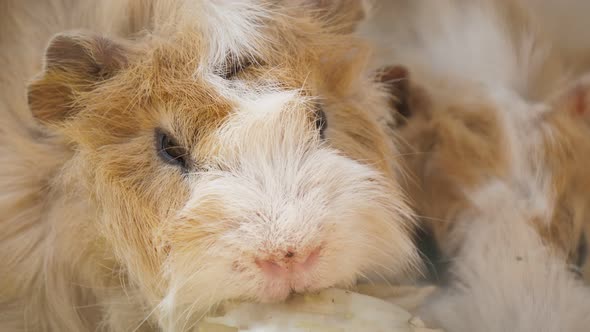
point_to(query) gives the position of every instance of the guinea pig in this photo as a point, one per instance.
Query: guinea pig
(495, 126)
(205, 151)
(502, 105)
(455, 146)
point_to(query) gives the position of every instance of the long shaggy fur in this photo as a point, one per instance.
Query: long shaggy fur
(98, 233)
(495, 123)
(506, 277)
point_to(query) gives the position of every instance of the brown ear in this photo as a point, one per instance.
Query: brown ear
(575, 99)
(74, 63)
(397, 82)
(339, 15)
(407, 99)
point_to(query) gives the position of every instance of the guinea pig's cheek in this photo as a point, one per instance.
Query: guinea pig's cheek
(194, 224)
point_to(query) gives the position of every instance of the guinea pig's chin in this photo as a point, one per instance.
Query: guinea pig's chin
(274, 289)
(274, 292)
(280, 290)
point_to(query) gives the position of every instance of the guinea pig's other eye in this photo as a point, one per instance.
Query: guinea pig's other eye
(234, 67)
(321, 122)
(170, 151)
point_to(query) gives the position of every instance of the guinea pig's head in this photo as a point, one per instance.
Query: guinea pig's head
(234, 157)
(450, 145)
(455, 143)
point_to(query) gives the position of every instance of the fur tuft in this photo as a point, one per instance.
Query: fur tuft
(506, 277)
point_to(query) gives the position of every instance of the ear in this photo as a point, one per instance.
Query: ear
(396, 80)
(339, 15)
(74, 63)
(575, 100)
(407, 99)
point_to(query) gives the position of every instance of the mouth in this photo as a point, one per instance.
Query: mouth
(278, 291)
(288, 273)
(275, 294)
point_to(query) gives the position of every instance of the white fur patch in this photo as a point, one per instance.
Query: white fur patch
(278, 188)
(233, 28)
(505, 277)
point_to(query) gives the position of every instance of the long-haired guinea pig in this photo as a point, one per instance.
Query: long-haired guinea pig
(483, 95)
(231, 150)
(506, 199)
(496, 155)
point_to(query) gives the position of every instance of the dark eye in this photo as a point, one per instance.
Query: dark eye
(170, 151)
(234, 67)
(321, 122)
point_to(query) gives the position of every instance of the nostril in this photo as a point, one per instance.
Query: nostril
(289, 263)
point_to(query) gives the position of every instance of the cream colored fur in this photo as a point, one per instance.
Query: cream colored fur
(98, 233)
(493, 146)
(505, 277)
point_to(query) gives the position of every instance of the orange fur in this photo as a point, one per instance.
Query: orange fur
(496, 154)
(100, 234)
(458, 139)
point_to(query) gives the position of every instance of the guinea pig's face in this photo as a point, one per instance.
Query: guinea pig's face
(248, 176)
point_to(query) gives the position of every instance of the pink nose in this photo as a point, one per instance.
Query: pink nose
(288, 263)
